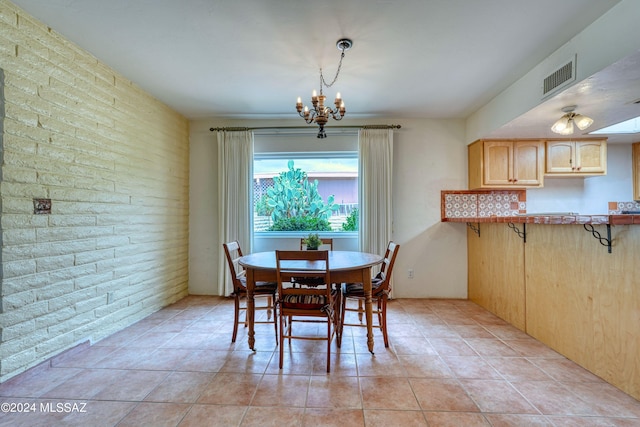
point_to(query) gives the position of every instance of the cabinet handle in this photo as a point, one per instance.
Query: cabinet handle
(579, 167)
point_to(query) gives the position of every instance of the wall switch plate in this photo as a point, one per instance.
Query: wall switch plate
(41, 206)
(410, 273)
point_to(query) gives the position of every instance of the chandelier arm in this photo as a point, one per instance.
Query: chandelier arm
(309, 118)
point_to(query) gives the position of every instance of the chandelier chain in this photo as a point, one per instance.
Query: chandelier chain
(321, 113)
(322, 81)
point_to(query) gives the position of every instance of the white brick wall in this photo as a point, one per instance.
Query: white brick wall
(115, 163)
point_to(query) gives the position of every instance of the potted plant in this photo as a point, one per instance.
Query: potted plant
(313, 242)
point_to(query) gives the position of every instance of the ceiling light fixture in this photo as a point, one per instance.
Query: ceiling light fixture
(564, 126)
(320, 113)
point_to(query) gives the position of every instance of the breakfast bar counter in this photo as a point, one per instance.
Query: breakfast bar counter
(552, 219)
(572, 283)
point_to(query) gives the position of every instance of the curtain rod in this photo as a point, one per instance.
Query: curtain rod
(306, 127)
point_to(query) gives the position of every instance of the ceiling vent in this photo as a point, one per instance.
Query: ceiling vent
(560, 78)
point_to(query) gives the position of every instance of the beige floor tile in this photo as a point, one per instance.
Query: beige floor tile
(518, 420)
(517, 369)
(328, 392)
(282, 390)
(324, 417)
(387, 393)
(425, 366)
(385, 418)
(452, 347)
(257, 416)
(442, 395)
(98, 414)
(412, 345)
(203, 361)
(456, 419)
(471, 367)
(230, 389)
(180, 387)
(450, 363)
(381, 364)
(497, 396)
(155, 414)
(552, 398)
(214, 416)
(131, 385)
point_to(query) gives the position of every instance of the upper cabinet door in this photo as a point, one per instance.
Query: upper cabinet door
(506, 164)
(576, 158)
(591, 157)
(528, 163)
(498, 163)
(560, 157)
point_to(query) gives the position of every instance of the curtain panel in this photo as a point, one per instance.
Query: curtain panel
(235, 163)
(375, 184)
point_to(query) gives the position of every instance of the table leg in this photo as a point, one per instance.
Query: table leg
(368, 307)
(250, 308)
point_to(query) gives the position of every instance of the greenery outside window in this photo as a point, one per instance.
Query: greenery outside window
(305, 192)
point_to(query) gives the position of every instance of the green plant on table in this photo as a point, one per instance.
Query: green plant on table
(313, 241)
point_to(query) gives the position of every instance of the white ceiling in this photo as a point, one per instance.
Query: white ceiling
(410, 59)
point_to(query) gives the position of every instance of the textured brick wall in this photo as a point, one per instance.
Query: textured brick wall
(115, 163)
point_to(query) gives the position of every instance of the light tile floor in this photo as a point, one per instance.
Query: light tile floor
(450, 363)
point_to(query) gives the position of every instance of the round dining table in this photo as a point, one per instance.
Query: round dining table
(344, 267)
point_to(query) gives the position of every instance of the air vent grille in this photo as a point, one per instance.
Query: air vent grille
(559, 78)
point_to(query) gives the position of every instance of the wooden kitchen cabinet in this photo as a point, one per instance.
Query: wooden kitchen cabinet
(563, 288)
(576, 157)
(495, 268)
(506, 164)
(636, 170)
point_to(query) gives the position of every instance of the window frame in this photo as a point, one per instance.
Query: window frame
(296, 155)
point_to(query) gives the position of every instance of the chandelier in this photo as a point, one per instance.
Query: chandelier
(320, 113)
(564, 126)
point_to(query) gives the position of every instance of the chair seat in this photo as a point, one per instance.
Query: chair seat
(260, 287)
(304, 302)
(357, 289)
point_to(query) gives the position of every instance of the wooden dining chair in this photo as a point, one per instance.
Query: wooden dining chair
(312, 304)
(233, 252)
(380, 288)
(327, 245)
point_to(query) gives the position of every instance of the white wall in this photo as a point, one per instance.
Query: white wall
(588, 196)
(114, 163)
(610, 38)
(429, 156)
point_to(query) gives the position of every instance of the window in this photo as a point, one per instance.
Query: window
(305, 191)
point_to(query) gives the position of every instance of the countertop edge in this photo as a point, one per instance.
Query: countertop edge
(554, 219)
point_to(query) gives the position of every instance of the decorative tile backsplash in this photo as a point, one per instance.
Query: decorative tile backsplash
(616, 208)
(479, 204)
(503, 203)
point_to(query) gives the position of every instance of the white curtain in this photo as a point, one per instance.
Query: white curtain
(375, 184)
(235, 164)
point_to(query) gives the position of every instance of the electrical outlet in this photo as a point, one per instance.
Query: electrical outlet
(410, 273)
